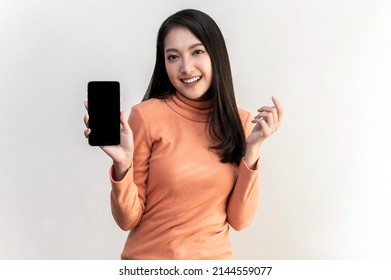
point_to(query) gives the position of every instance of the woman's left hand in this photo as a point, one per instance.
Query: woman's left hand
(266, 122)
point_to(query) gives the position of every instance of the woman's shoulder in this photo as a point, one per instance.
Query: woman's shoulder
(150, 107)
(243, 114)
(246, 118)
(146, 113)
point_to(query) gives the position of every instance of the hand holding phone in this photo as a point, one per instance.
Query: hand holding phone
(122, 153)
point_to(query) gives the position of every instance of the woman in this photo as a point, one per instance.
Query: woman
(188, 163)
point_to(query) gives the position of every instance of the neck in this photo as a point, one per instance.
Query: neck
(206, 96)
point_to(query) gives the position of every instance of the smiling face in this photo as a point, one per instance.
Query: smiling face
(188, 65)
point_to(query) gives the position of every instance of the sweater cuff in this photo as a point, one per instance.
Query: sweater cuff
(128, 177)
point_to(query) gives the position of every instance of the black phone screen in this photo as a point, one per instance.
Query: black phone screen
(104, 113)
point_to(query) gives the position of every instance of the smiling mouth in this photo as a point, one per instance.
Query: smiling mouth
(191, 80)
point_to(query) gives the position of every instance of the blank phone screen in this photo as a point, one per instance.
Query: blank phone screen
(104, 113)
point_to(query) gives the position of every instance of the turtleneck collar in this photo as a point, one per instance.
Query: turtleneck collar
(193, 110)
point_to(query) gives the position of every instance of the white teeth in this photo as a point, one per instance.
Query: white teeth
(192, 80)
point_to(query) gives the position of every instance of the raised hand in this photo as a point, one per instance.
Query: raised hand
(266, 122)
(122, 154)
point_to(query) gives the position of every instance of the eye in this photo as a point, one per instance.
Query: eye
(198, 52)
(172, 57)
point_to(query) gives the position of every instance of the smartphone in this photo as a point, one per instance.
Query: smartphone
(104, 111)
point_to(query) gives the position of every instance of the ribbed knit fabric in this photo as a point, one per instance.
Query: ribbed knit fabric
(178, 199)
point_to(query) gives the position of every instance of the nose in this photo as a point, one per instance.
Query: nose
(187, 66)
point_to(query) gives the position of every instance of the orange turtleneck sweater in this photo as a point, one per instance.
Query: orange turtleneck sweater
(178, 199)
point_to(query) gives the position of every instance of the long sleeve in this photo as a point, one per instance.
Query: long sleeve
(243, 200)
(128, 196)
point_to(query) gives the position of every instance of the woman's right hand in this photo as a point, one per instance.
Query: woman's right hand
(122, 154)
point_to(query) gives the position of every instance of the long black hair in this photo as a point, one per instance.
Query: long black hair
(225, 126)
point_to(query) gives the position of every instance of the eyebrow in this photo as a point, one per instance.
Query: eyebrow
(191, 47)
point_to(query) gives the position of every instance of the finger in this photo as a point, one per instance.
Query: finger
(269, 118)
(265, 109)
(87, 132)
(266, 130)
(125, 125)
(261, 115)
(275, 117)
(86, 119)
(86, 105)
(280, 110)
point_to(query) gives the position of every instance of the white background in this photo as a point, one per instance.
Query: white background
(325, 175)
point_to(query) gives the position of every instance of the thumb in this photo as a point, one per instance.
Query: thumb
(124, 123)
